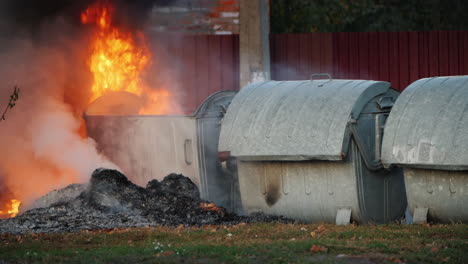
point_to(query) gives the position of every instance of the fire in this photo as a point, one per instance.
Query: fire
(12, 209)
(212, 207)
(116, 61)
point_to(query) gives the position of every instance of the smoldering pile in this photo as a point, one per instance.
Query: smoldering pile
(110, 200)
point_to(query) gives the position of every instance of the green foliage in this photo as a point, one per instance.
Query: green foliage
(13, 98)
(296, 16)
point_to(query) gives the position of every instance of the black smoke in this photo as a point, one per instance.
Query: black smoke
(20, 16)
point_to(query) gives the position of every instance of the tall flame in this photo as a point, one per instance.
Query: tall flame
(12, 209)
(116, 61)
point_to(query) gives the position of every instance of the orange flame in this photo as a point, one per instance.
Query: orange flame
(212, 207)
(116, 61)
(12, 209)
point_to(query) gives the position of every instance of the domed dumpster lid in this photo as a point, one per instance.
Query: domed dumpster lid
(428, 125)
(295, 120)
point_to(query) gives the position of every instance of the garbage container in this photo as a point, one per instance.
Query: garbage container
(427, 134)
(310, 150)
(150, 147)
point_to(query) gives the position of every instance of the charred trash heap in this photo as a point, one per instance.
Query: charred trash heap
(110, 200)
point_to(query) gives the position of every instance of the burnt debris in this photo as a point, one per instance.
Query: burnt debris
(110, 200)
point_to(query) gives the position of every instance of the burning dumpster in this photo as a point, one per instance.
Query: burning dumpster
(147, 147)
(310, 150)
(426, 134)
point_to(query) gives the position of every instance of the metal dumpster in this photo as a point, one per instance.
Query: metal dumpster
(147, 147)
(427, 134)
(310, 150)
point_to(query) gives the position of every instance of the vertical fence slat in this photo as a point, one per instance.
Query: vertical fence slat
(394, 55)
(353, 56)
(423, 54)
(384, 58)
(304, 59)
(443, 53)
(413, 57)
(403, 46)
(214, 65)
(326, 60)
(463, 61)
(363, 53)
(453, 49)
(236, 62)
(227, 63)
(374, 62)
(315, 53)
(189, 73)
(434, 54)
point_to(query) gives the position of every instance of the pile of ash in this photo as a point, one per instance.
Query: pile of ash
(110, 200)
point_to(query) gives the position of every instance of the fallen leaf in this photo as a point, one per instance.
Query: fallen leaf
(313, 234)
(434, 250)
(318, 248)
(165, 253)
(395, 260)
(320, 228)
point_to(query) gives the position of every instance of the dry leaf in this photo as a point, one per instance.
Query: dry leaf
(313, 234)
(318, 248)
(434, 250)
(395, 260)
(320, 228)
(165, 253)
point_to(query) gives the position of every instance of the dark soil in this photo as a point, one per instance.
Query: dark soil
(112, 201)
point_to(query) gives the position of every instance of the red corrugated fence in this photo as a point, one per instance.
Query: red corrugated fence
(209, 63)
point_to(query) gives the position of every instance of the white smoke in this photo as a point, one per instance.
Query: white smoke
(40, 143)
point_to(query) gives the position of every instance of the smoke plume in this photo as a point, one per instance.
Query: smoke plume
(43, 47)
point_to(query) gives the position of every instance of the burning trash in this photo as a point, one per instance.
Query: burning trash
(110, 200)
(118, 58)
(11, 209)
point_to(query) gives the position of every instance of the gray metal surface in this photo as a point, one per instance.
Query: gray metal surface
(218, 183)
(314, 191)
(295, 120)
(147, 147)
(428, 126)
(443, 193)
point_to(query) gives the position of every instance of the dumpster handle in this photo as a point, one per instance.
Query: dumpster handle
(187, 151)
(321, 74)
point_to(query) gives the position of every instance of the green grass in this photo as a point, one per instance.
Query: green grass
(245, 243)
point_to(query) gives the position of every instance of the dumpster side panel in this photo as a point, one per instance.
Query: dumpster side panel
(147, 147)
(310, 191)
(444, 193)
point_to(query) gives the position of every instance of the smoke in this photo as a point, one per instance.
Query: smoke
(26, 16)
(42, 141)
(43, 51)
